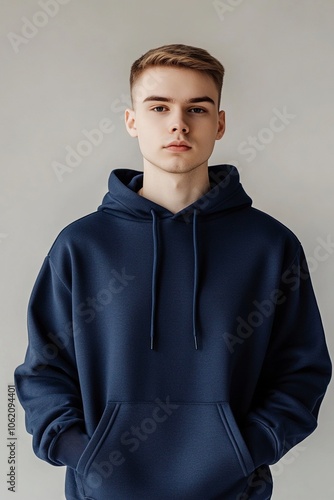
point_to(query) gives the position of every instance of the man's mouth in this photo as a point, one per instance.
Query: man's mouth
(178, 146)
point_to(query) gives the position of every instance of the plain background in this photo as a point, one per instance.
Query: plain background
(73, 72)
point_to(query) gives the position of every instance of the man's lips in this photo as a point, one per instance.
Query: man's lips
(178, 146)
(178, 149)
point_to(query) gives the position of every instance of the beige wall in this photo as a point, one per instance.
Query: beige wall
(71, 72)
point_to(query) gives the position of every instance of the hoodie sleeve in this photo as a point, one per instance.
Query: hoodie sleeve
(295, 374)
(47, 382)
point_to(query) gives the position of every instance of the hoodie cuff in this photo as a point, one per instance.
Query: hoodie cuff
(67, 448)
(261, 444)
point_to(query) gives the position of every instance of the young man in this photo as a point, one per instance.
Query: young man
(175, 344)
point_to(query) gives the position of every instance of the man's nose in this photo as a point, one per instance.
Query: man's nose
(178, 124)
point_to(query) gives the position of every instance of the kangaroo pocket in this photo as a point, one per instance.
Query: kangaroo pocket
(166, 450)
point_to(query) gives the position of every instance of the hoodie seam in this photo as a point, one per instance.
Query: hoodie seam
(57, 274)
(137, 219)
(296, 257)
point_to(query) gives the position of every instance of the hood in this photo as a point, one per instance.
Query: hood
(226, 194)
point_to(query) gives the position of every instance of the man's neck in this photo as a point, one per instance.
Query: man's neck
(174, 191)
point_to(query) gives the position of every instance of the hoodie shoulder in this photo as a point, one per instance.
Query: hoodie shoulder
(77, 232)
(77, 240)
(273, 233)
(270, 223)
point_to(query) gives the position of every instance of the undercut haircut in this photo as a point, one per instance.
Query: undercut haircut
(181, 56)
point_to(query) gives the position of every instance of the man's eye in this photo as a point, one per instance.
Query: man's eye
(197, 110)
(159, 109)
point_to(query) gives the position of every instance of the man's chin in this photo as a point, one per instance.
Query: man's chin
(177, 167)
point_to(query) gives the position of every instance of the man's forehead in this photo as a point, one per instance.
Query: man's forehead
(168, 82)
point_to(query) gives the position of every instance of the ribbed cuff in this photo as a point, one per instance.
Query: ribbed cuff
(260, 443)
(68, 447)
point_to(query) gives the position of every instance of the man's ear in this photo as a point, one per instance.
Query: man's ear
(130, 122)
(221, 125)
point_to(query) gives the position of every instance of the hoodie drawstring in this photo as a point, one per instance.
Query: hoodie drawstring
(195, 291)
(154, 273)
(155, 270)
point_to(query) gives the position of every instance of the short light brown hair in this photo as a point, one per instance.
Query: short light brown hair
(182, 56)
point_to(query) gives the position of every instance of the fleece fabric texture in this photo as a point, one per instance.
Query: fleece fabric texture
(172, 356)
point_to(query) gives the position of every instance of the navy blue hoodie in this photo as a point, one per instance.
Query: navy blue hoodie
(172, 356)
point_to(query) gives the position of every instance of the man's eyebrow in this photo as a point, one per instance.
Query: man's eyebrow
(204, 98)
(193, 100)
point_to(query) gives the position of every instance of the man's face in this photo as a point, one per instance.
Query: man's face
(175, 105)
